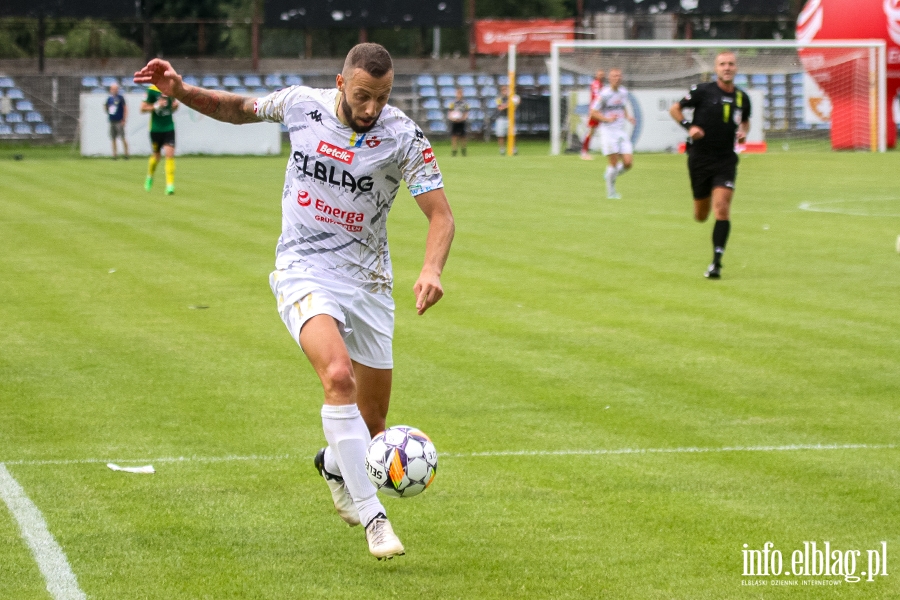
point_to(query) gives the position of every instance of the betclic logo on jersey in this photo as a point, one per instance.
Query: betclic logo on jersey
(341, 154)
(431, 166)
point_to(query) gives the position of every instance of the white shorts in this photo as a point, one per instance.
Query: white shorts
(615, 142)
(501, 126)
(366, 319)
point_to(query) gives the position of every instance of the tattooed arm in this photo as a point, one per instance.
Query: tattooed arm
(222, 106)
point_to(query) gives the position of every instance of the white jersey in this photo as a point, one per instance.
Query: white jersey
(340, 185)
(612, 103)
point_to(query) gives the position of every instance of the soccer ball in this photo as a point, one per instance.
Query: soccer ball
(401, 461)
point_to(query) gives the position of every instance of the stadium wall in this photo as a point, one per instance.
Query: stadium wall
(195, 133)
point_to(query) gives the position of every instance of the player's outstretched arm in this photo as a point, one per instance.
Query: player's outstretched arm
(428, 288)
(222, 106)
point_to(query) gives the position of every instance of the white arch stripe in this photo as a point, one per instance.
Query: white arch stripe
(498, 453)
(61, 581)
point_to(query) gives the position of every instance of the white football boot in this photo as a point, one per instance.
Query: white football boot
(383, 543)
(343, 502)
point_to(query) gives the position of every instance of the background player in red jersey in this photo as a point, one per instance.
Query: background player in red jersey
(596, 86)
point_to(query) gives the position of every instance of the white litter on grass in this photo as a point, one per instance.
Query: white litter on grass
(112, 270)
(145, 469)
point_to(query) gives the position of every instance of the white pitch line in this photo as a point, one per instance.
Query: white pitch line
(51, 560)
(498, 453)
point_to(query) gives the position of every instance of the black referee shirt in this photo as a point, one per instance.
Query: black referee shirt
(718, 113)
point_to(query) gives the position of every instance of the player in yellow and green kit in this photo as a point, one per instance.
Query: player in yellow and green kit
(162, 135)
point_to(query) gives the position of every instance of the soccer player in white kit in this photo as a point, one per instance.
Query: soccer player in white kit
(332, 278)
(611, 108)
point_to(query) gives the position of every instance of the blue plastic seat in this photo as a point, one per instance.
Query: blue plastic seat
(260, 91)
(502, 80)
(43, 129)
(445, 80)
(210, 81)
(489, 91)
(525, 80)
(543, 79)
(231, 81)
(465, 80)
(566, 79)
(778, 79)
(190, 80)
(740, 80)
(22, 129)
(99, 90)
(425, 81)
(448, 92)
(14, 117)
(15, 94)
(24, 105)
(5, 129)
(470, 92)
(796, 78)
(431, 103)
(274, 81)
(437, 127)
(585, 80)
(434, 115)
(6, 82)
(290, 80)
(759, 80)
(108, 80)
(239, 90)
(89, 81)
(485, 80)
(34, 117)
(428, 92)
(474, 102)
(252, 81)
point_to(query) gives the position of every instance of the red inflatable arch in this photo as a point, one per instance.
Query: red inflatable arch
(851, 20)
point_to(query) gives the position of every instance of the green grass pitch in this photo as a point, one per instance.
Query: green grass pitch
(576, 359)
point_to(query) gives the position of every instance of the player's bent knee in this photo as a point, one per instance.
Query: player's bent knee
(339, 380)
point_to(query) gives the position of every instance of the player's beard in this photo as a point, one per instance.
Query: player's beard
(348, 116)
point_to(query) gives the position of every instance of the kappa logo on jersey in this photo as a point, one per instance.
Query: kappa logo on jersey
(315, 116)
(330, 174)
(345, 156)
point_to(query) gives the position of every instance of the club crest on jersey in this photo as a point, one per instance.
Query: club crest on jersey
(373, 141)
(345, 156)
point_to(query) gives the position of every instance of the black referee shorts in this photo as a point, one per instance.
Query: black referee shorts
(458, 128)
(708, 171)
(158, 139)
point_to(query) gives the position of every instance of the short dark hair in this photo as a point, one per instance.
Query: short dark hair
(374, 59)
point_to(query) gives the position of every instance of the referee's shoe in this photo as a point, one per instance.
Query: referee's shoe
(714, 271)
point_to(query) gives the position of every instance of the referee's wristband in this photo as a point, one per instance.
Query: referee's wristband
(686, 124)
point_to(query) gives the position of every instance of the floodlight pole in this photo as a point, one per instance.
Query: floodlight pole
(254, 36)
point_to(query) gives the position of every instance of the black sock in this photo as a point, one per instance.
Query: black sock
(719, 239)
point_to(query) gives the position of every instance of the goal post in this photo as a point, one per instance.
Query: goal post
(820, 94)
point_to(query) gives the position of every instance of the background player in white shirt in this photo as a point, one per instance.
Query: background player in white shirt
(612, 109)
(333, 277)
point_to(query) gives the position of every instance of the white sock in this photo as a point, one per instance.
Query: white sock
(348, 438)
(620, 168)
(331, 464)
(611, 180)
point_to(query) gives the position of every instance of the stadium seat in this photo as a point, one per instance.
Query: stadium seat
(796, 78)
(797, 102)
(476, 126)
(89, 81)
(448, 102)
(434, 115)
(585, 80)
(24, 105)
(43, 129)
(476, 114)
(474, 102)
(108, 80)
(502, 80)
(239, 90)
(210, 81)
(5, 129)
(14, 117)
(274, 81)
(431, 103)
(260, 91)
(428, 92)
(290, 80)
(525, 80)
(779, 90)
(6, 82)
(778, 79)
(485, 80)
(15, 94)
(779, 102)
(190, 80)
(22, 129)
(448, 92)
(437, 127)
(566, 79)
(99, 90)
(797, 90)
(252, 81)
(740, 80)
(489, 91)
(33, 117)
(543, 79)
(759, 80)
(445, 80)
(231, 81)
(465, 80)
(425, 81)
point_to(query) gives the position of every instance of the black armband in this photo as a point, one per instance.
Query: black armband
(686, 124)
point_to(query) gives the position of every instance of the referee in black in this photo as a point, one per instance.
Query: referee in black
(721, 116)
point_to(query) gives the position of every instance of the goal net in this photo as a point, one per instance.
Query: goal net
(817, 95)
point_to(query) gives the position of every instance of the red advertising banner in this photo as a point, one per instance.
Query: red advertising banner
(532, 36)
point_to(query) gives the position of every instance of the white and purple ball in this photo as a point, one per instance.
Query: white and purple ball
(401, 461)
